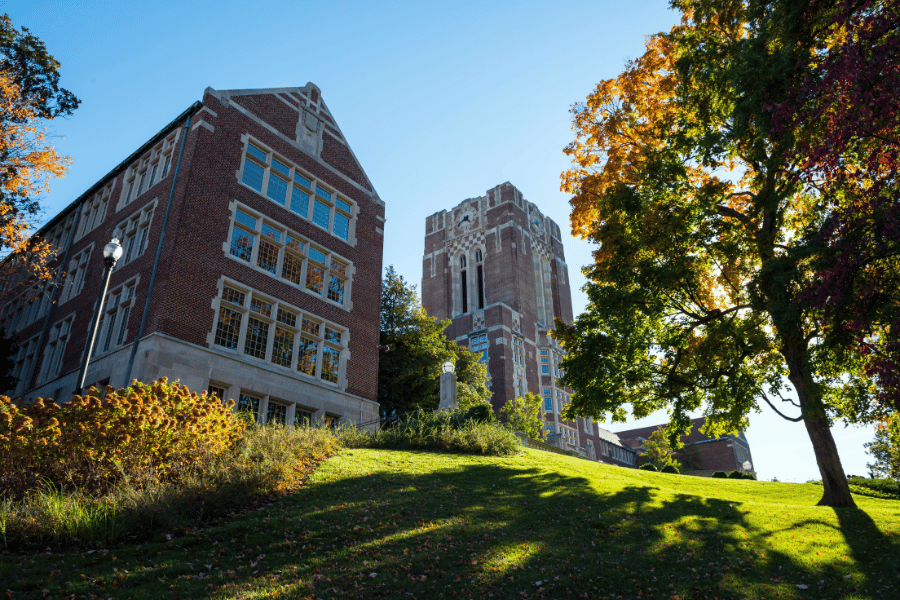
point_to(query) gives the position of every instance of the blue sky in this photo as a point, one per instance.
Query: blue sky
(439, 101)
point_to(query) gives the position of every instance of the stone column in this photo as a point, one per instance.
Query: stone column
(448, 392)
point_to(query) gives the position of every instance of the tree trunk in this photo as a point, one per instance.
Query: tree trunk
(837, 491)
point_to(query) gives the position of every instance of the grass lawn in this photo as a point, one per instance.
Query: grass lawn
(392, 524)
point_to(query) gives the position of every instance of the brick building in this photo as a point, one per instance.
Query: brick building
(252, 263)
(726, 453)
(495, 265)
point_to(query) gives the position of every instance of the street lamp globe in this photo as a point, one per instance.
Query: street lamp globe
(448, 367)
(112, 251)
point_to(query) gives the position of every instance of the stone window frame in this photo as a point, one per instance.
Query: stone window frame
(548, 398)
(93, 211)
(118, 306)
(148, 170)
(31, 305)
(135, 230)
(518, 348)
(328, 337)
(60, 236)
(23, 362)
(269, 235)
(55, 349)
(219, 390)
(296, 191)
(76, 274)
(295, 412)
(479, 344)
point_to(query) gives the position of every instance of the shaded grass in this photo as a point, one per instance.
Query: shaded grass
(379, 523)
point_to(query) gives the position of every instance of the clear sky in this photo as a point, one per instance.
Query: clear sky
(439, 101)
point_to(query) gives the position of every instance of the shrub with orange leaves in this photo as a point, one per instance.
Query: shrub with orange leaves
(148, 432)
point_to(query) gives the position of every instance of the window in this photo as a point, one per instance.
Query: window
(93, 210)
(148, 170)
(479, 344)
(248, 403)
(216, 390)
(113, 329)
(278, 333)
(588, 425)
(134, 232)
(550, 428)
(479, 272)
(518, 348)
(302, 418)
(24, 361)
(29, 306)
(75, 277)
(276, 412)
(287, 185)
(58, 238)
(283, 254)
(55, 348)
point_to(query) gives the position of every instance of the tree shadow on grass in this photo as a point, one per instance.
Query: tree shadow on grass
(491, 529)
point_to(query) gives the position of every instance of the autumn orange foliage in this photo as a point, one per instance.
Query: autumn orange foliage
(27, 162)
(157, 431)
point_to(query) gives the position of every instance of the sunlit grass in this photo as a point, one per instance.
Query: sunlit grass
(394, 524)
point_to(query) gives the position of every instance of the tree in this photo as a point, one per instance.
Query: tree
(696, 294)
(846, 113)
(413, 348)
(885, 449)
(524, 414)
(658, 451)
(29, 94)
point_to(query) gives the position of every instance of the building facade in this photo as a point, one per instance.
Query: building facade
(495, 266)
(252, 244)
(725, 453)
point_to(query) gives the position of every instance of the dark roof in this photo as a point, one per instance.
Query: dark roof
(644, 432)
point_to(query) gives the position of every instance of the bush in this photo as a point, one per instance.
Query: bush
(648, 467)
(670, 469)
(480, 413)
(886, 487)
(720, 475)
(736, 475)
(267, 460)
(152, 432)
(448, 432)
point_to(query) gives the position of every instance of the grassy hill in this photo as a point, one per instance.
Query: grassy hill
(392, 524)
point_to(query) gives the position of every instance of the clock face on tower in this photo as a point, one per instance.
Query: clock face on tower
(466, 220)
(536, 225)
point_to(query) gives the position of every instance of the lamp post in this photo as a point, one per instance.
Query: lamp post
(112, 252)
(448, 387)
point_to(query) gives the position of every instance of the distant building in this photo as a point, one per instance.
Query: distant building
(495, 265)
(252, 265)
(726, 453)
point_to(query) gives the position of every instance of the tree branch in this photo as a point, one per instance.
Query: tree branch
(727, 211)
(780, 414)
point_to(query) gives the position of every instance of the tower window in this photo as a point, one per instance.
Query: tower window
(465, 290)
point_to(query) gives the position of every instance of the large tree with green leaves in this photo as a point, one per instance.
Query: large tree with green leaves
(706, 235)
(413, 348)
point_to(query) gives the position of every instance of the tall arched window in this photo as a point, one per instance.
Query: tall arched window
(464, 286)
(480, 273)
